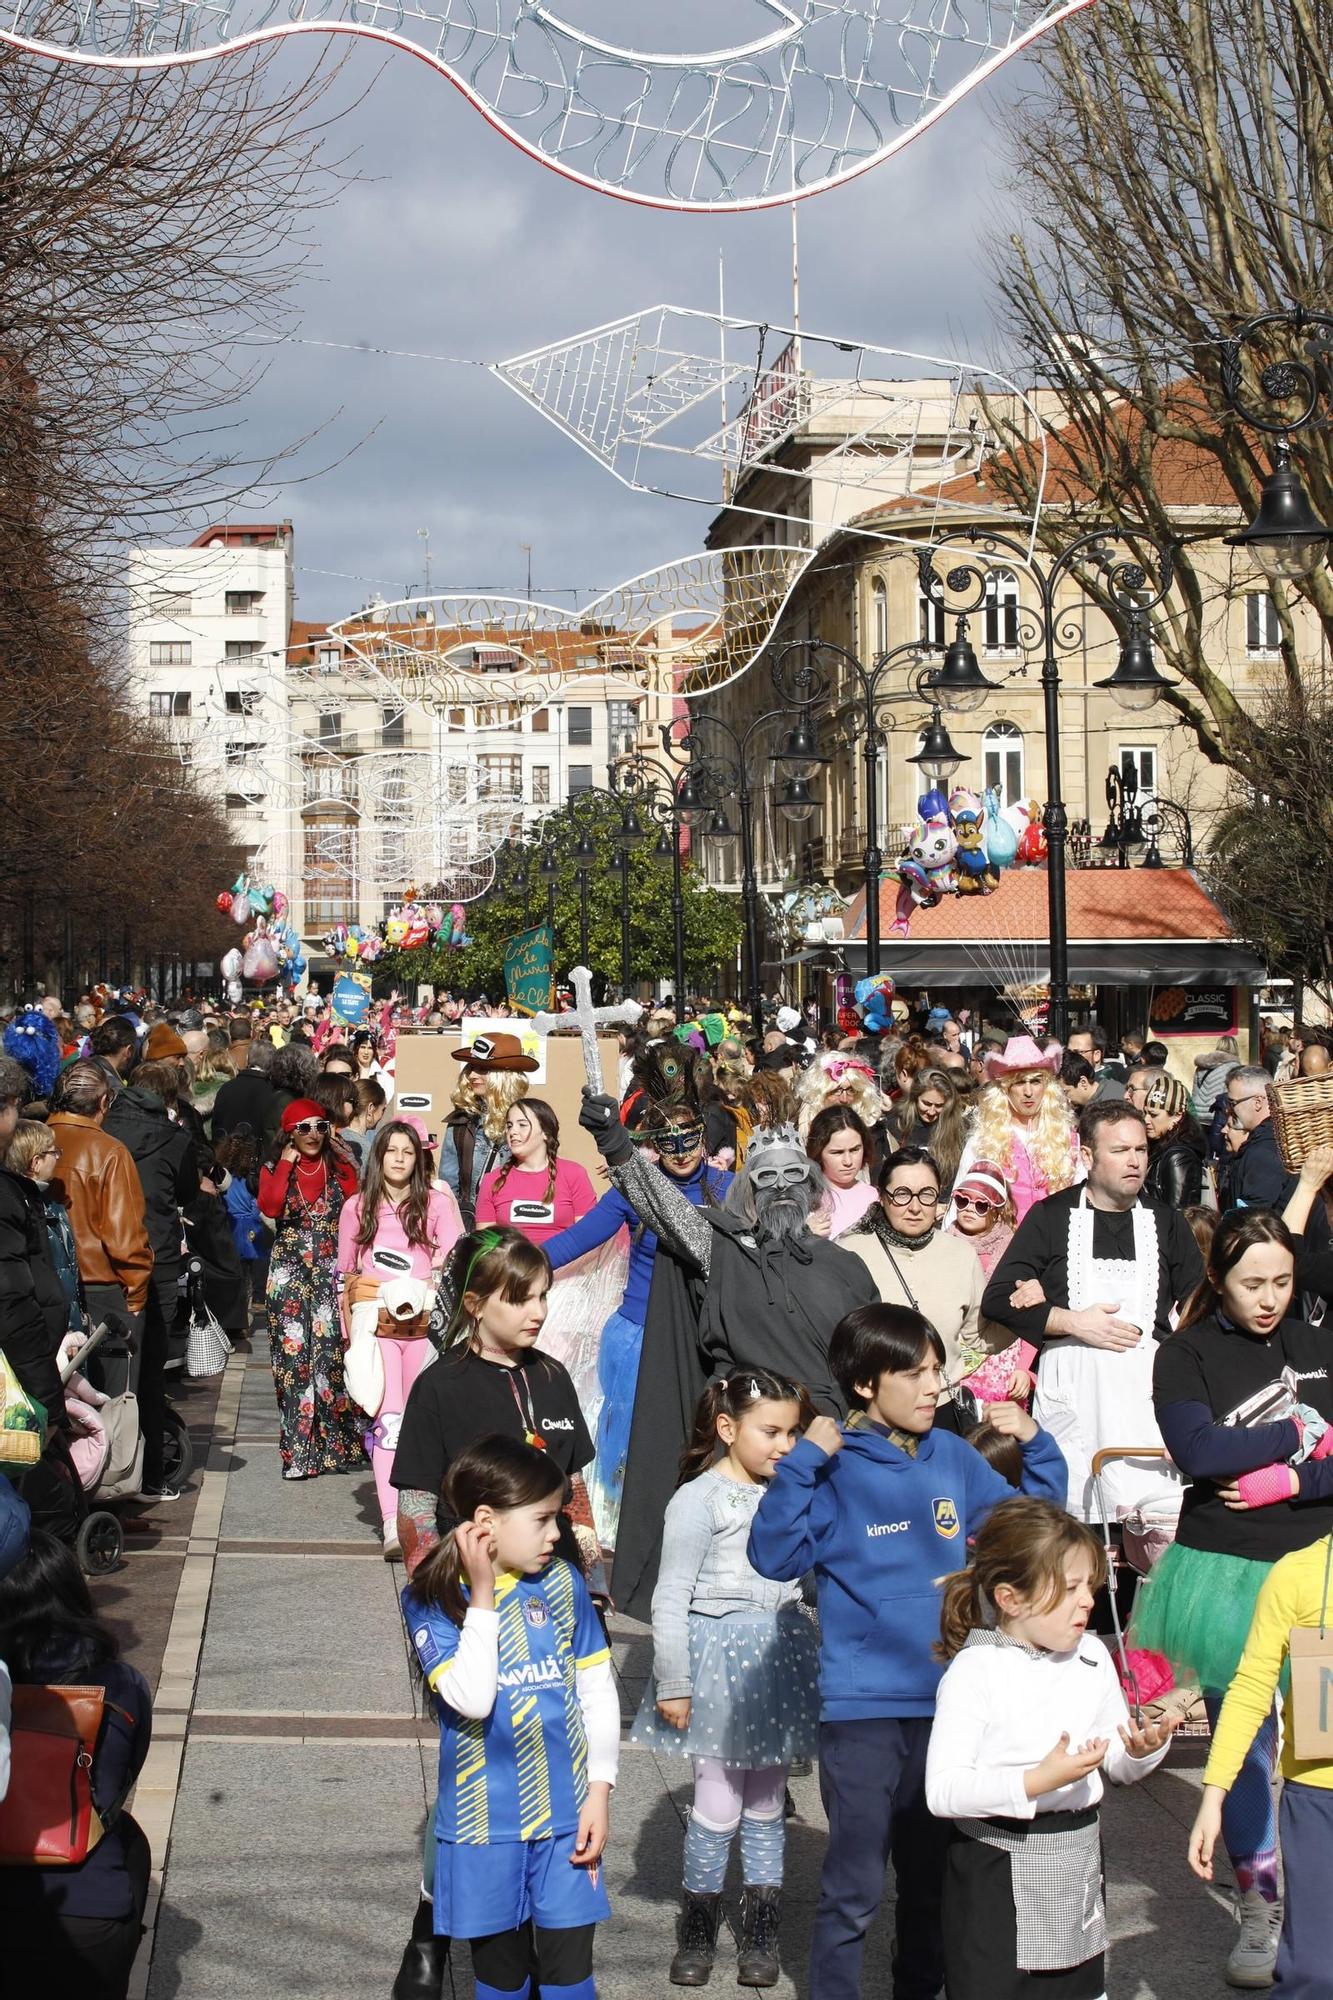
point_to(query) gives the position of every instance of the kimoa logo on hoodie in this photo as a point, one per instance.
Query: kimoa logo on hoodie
(874, 1528)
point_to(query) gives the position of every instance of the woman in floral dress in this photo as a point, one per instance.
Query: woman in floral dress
(302, 1193)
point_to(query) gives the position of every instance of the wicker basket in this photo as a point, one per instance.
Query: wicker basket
(1302, 1117)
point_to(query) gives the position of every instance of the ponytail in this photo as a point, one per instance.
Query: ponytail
(730, 1396)
(961, 1612)
(499, 1472)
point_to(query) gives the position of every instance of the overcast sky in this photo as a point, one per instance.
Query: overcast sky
(457, 243)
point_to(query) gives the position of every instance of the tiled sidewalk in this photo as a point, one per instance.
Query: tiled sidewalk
(289, 1779)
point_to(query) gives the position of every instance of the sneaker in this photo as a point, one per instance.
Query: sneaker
(392, 1547)
(1255, 1951)
(157, 1496)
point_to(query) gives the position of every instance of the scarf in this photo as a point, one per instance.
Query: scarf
(907, 1441)
(876, 1223)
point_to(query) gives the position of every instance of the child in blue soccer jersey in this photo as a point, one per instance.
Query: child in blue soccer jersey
(517, 1659)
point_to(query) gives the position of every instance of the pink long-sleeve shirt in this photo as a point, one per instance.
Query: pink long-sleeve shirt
(522, 1202)
(391, 1255)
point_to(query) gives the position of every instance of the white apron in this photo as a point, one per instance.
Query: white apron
(1091, 1399)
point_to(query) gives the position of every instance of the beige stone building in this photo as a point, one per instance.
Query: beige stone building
(862, 593)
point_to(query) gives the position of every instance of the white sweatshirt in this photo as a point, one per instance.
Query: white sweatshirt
(1002, 1707)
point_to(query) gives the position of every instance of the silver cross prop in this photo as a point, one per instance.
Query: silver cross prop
(588, 1019)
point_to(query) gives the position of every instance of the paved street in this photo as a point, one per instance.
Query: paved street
(289, 1778)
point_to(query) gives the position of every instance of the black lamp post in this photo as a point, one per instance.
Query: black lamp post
(1126, 584)
(660, 793)
(720, 770)
(1286, 538)
(549, 869)
(629, 835)
(937, 758)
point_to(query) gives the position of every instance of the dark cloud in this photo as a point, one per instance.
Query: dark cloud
(456, 243)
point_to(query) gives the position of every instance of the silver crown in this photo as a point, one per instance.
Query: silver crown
(774, 1138)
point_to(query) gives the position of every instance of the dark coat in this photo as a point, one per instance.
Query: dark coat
(247, 1100)
(32, 1299)
(1175, 1172)
(164, 1156)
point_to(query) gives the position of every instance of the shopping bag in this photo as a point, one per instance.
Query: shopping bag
(208, 1347)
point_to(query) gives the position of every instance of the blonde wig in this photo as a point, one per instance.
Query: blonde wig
(1049, 1139)
(490, 1095)
(830, 1073)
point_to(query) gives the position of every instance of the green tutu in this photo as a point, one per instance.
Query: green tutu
(1196, 1609)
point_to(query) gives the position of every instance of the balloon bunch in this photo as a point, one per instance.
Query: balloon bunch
(353, 941)
(414, 924)
(874, 998)
(272, 949)
(959, 846)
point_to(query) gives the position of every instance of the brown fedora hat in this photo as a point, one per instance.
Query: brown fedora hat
(489, 1052)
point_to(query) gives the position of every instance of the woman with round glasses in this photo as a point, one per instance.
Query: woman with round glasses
(301, 1193)
(914, 1263)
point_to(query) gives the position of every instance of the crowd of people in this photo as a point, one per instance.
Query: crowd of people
(884, 1300)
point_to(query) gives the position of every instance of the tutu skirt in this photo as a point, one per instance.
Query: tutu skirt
(1195, 1608)
(756, 1693)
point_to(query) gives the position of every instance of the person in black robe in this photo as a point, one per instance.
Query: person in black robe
(747, 1285)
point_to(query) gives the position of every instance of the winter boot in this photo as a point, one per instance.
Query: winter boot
(699, 1920)
(425, 1960)
(1255, 1951)
(761, 1912)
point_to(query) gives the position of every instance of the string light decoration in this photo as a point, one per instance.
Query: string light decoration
(782, 98)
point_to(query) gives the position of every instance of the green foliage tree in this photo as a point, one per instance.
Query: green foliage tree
(712, 920)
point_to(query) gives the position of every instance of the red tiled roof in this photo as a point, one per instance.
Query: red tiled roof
(1185, 475)
(1104, 905)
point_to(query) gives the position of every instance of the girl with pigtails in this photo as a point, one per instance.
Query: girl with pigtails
(735, 1669)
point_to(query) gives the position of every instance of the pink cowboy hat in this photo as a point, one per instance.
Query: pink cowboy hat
(1020, 1053)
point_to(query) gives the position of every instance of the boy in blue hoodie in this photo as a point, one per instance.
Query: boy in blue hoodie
(880, 1509)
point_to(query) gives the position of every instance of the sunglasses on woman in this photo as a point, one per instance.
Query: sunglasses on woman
(971, 1201)
(319, 1125)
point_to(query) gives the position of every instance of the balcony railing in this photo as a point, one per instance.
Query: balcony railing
(851, 844)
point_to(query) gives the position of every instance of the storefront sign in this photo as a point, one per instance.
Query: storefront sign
(1193, 1010)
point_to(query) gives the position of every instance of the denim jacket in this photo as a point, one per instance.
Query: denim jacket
(705, 1572)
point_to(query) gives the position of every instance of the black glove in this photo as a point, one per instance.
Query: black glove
(601, 1116)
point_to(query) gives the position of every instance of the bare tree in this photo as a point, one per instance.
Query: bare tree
(1172, 162)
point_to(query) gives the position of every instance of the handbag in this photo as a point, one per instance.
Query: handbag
(207, 1348)
(47, 1817)
(22, 1422)
(363, 1364)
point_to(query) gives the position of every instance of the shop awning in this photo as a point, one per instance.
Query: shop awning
(1126, 926)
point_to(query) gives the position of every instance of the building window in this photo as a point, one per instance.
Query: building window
(242, 701)
(1262, 633)
(932, 619)
(1001, 612)
(541, 721)
(541, 784)
(242, 603)
(501, 777)
(622, 721)
(238, 753)
(169, 604)
(580, 726)
(393, 727)
(169, 653)
(580, 779)
(880, 600)
(331, 729)
(1002, 762)
(240, 802)
(169, 704)
(1138, 761)
(243, 649)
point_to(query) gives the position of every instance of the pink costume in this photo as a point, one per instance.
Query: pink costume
(392, 1256)
(846, 1206)
(523, 1203)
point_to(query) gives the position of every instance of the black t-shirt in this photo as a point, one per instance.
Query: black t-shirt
(1219, 1366)
(462, 1397)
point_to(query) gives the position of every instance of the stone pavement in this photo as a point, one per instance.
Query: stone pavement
(290, 1775)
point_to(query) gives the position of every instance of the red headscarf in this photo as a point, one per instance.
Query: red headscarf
(299, 1110)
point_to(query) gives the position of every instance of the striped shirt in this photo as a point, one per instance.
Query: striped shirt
(521, 1772)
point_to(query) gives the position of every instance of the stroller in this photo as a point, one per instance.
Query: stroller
(104, 1457)
(1147, 1530)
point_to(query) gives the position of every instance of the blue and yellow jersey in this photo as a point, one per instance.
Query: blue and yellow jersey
(521, 1772)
